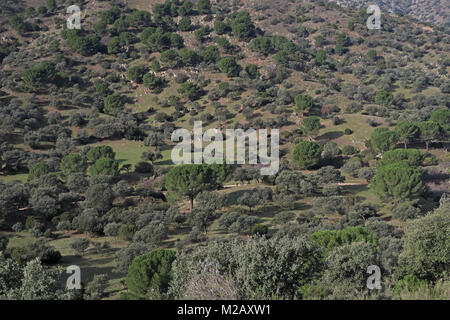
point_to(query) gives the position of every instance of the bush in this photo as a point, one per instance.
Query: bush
(18, 227)
(348, 131)
(352, 166)
(80, 245)
(111, 229)
(349, 150)
(144, 167)
(260, 229)
(126, 232)
(405, 211)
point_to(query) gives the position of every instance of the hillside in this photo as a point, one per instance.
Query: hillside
(87, 178)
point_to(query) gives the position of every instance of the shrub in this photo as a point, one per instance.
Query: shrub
(80, 245)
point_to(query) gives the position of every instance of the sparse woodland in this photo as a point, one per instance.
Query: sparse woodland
(86, 177)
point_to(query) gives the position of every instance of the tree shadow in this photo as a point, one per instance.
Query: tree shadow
(330, 135)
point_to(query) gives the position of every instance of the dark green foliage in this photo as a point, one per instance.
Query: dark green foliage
(304, 103)
(203, 6)
(39, 169)
(307, 154)
(72, 163)
(331, 239)
(398, 181)
(153, 82)
(136, 73)
(262, 45)
(407, 132)
(211, 54)
(189, 180)
(384, 98)
(104, 166)
(144, 167)
(412, 157)
(150, 274)
(98, 152)
(114, 103)
(242, 26)
(429, 131)
(37, 77)
(382, 140)
(311, 125)
(190, 91)
(229, 66)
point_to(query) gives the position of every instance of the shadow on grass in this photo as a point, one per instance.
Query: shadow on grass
(330, 135)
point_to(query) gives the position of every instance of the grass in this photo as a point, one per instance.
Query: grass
(22, 177)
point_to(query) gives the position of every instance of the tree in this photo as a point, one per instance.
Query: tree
(311, 125)
(139, 19)
(136, 73)
(114, 103)
(154, 233)
(229, 66)
(125, 256)
(220, 27)
(398, 181)
(442, 117)
(426, 250)
(372, 54)
(37, 170)
(304, 103)
(151, 156)
(321, 57)
(407, 132)
(307, 154)
(149, 274)
(114, 45)
(412, 157)
(95, 289)
(36, 77)
(211, 54)
(189, 57)
(80, 245)
(261, 45)
(341, 43)
(329, 174)
(331, 239)
(203, 6)
(98, 152)
(105, 166)
(384, 98)
(189, 180)
(32, 282)
(331, 150)
(185, 24)
(382, 140)
(429, 131)
(242, 27)
(346, 272)
(170, 58)
(190, 91)
(51, 5)
(153, 82)
(72, 163)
